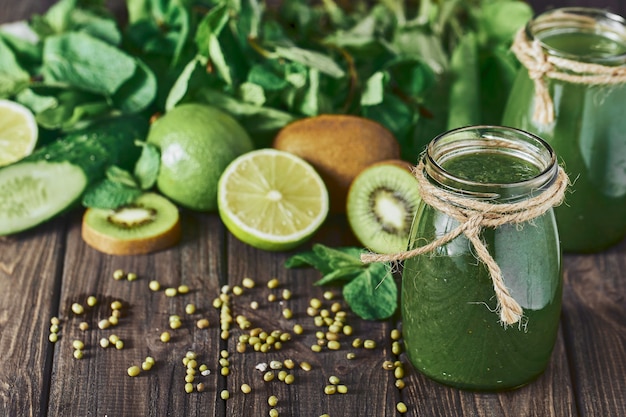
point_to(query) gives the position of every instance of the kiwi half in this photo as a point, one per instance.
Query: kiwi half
(381, 203)
(149, 224)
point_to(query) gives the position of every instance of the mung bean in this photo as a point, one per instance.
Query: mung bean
(401, 407)
(78, 308)
(133, 370)
(154, 285)
(171, 292)
(118, 274)
(272, 401)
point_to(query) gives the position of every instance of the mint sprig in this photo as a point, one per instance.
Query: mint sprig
(369, 289)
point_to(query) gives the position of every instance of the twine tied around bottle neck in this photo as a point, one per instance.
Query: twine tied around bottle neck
(542, 66)
(473, 215)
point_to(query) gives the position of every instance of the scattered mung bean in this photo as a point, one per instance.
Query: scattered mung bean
(248, 282)
(92, 301)
(165, 337)
(118, 274)
(154, 285)
(202, 323)
(401, 407)
(245, 388)
(183, 289)
(272, 401)
(273, 283)
(78, 308)
(131, 276)
(171, 292)
(133, 370)
(224, 395)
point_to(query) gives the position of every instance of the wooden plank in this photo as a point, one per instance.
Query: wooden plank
(98, 384)
(370, 388)
(594, 318)
(30, 265)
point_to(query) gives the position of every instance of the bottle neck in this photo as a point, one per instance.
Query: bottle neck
(581, 34)
(493, 163)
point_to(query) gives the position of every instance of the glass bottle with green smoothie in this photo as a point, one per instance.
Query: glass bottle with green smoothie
(450, 322)
(571, 91)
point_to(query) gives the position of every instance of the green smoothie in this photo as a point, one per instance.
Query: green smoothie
(588, 135)
(451, 331)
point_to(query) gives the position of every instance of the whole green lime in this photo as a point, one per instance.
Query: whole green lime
(197, 142)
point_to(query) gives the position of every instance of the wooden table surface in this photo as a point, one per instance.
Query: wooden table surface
(44, 271)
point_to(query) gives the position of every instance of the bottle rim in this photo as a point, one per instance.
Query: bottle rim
(495, 139)
(587, 19)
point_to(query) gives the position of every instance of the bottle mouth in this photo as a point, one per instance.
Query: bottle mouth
(516, 145)
(581, 21)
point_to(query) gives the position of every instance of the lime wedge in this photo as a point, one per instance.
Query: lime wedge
(18, 132)
(271, 199)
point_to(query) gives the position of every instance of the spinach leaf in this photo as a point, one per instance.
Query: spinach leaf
(83, 61)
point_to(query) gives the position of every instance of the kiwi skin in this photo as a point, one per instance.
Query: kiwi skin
(339, 147)
(161, 231)
(381, 204)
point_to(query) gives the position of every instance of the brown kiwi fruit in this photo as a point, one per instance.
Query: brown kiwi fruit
(381, 204)
(339, 147)
(149, 224)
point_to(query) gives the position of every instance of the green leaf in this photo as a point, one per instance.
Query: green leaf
(147, 166)
(326, 259)
(374, 91)
(121, 176)
(373, 295)
(264, 76)
(369, 289)
(108, 194)
(137, 93)
(12, 77)
(85, 62)
(312, 59)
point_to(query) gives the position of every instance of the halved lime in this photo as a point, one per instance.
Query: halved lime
(18, 132)
(271, 199)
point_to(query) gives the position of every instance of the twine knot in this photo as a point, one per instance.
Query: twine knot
(542, 66)
(473, 215)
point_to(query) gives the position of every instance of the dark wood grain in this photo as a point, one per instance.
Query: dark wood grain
(594, 318)
(197, 263)
(30, 267)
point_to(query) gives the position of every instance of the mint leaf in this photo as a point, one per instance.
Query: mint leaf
(121, 176)
(312, 59)
(147, 166)
(109, 194)
(87, 63)
(372, 295)
(369, 289)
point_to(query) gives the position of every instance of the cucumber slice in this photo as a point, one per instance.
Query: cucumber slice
(33, 192)
(54, 177)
